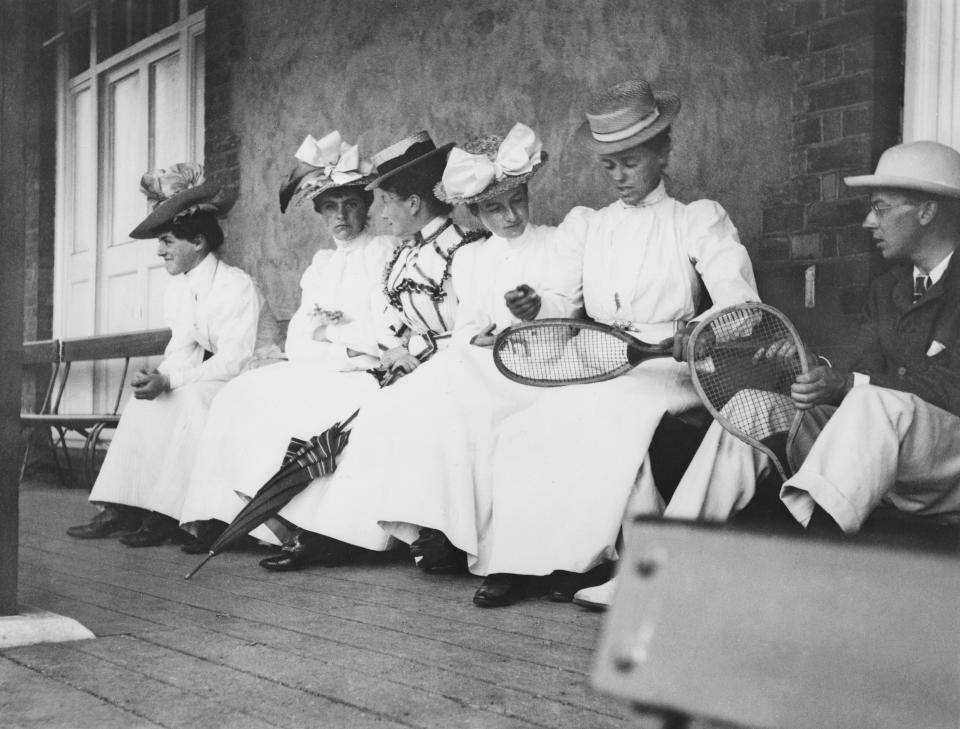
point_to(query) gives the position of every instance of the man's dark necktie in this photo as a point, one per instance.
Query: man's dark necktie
(920, 286)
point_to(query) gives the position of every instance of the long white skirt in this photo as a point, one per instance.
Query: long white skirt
(251, 423)
(417, 455)
(152, 453)
(565, 469)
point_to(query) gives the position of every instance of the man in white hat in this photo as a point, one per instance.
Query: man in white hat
(893, 435)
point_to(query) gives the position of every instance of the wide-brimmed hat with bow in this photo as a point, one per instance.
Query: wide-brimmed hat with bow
(403, 155)
(323, 165)
(177, 192)
(625, 115)
(490, 165)
(925, 166)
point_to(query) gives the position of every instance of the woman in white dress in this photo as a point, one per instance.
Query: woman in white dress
(564, 468)
(421, 286)
(219, 323)
(419, 451)
(331, 343)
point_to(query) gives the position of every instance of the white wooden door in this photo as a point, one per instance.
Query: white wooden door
(143, 112)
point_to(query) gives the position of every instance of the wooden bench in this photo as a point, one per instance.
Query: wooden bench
(59, 357)
(715, 625)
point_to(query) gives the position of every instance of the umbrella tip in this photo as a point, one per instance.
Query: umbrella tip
(196, 569)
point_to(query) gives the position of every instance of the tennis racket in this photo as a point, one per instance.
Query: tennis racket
(554, 352)
(747, 391)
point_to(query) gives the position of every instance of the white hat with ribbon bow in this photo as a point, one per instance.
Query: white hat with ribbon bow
(324, 164)
(490, 165)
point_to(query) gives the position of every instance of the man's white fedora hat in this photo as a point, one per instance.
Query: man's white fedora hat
(926, 166)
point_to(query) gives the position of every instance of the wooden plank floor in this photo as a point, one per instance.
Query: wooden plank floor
(373, 645)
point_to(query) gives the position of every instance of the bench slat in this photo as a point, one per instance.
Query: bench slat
(115, 346)
(46, 351)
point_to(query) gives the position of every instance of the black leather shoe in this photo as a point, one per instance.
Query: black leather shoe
(207, 533)
(157, 529)
(500, 589)
(563, 585)
(435, 554)
(306, 549)
(106, 524)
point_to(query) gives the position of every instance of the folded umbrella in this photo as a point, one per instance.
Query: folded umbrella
(314, 458)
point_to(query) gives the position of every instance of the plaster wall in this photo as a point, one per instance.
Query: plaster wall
(378, 70)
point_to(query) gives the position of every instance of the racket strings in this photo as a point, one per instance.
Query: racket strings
(739, 381)
(562, 353)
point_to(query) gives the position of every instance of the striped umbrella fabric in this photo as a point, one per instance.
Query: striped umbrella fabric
(303, 462)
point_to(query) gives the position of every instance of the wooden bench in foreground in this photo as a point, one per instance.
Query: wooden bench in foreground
(756, 628)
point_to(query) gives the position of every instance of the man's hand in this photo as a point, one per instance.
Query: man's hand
(486, 338)
(399, 358)
(148, 385)
(821, 385)
(523, 302)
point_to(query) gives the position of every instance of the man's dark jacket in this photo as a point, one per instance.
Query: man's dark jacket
(897, 334)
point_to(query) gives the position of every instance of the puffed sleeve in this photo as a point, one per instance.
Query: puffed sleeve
(234, 313)
(300, 345)
(182, 352)
(466, 277)
(714, 247)
(391, 330)
(360, 335)
(561, 285)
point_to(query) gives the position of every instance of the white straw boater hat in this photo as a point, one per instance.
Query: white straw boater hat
(489, 165)
(403, 155)
(925, 166)
(176, 192)
(625, 115)
(323, 165)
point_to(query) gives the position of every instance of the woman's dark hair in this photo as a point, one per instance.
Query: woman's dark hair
(419, 180)
(194, 225)
(365, 195)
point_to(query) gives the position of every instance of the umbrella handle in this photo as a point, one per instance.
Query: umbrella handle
(196, 569)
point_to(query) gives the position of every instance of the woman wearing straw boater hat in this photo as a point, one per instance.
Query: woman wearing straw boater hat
(219, 323)
(421, 289)
(331, 342)
(886, 431)
(420, 452)
(564, 469)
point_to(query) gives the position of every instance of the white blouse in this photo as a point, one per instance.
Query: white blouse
(641, 263)
(347, 279)
(214, 307)
(541, 257)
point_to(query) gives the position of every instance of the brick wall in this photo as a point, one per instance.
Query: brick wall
(224, 48)
(847, 62)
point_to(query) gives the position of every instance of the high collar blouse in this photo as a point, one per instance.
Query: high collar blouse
(214, 308)
(643, 264)
(541, 257)
(345, 279)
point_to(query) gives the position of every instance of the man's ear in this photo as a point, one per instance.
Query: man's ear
(928, 211)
